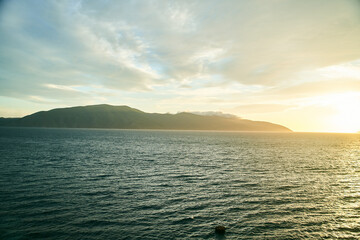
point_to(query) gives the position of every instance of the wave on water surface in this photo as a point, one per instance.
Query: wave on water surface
(100, 184)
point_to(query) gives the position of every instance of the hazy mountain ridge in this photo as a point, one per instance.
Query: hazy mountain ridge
(124, 117)
(213, 113)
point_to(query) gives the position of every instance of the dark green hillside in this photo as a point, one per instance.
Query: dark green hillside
(124, 117)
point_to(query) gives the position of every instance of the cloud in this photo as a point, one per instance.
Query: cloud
(194, 55)
(129, 45)
(217, 113)
(261, 108)
(47, 43)
(309, 89)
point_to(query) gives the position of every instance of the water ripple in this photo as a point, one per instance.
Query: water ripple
(100, 184)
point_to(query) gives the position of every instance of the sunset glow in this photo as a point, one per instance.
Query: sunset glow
(179, 119)
(291, 62)
(347, 117)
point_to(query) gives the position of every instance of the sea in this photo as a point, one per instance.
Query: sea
(142, 184)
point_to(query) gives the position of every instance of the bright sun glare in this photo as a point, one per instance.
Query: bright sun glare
(347, 116)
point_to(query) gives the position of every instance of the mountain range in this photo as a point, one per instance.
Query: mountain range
(124, 117)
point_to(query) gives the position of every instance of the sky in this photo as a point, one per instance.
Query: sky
(291, 62)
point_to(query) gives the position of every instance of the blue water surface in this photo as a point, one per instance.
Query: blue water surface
(125, 184)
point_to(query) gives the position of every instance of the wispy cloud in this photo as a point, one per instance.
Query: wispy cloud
(241, 53)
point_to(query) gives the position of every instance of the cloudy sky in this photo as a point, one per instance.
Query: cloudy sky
(291, 62)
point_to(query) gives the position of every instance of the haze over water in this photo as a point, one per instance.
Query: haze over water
(116, 184)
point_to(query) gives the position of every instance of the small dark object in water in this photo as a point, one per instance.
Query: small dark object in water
(220, 230)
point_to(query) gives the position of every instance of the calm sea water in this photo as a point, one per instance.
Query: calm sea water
(117, 184)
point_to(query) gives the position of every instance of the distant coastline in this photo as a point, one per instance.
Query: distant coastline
(123, 117)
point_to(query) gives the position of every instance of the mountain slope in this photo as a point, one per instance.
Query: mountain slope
(124, 117)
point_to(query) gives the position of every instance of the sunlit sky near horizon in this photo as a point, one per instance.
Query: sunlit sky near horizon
(291, 62)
